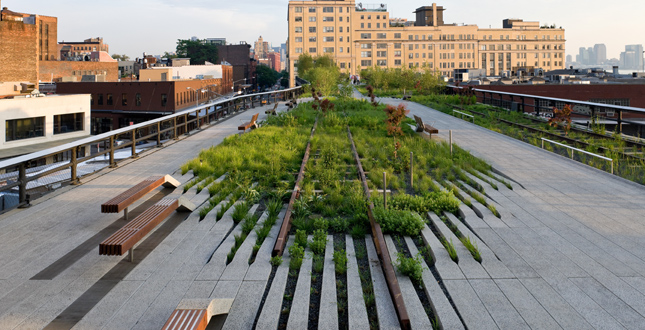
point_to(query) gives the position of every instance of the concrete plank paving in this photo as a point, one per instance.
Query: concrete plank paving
(328, 312)
(356, 304)
(270, 314)
(299, 313)
(447, 268)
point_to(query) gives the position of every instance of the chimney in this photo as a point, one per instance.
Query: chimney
(615, 70)
(434, 14)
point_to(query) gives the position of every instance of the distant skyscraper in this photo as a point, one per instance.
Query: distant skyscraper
(600, 52)
(261, 48)
(632, 57)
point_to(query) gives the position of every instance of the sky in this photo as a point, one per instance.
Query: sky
(153, 26)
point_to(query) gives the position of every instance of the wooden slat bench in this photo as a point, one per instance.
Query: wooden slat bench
(250, 124)
(194, 314)
(421, 127)
(272, 111)
(292, 104)
(122, 201)
(125, 238)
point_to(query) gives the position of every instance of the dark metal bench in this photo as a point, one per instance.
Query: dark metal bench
(125, 238)
(195, 314)
(122, 201)
(251, 124)
(272, 111)
(421, 127)
(406, 97)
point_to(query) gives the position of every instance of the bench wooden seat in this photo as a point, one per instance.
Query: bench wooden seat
(272, 111)
(421, 127)
(125, 238)
(195, 314)
(122, 201)
(250, 124)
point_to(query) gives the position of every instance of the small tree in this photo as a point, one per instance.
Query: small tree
(395, 116)
(561, 118)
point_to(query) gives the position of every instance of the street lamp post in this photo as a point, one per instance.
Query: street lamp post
(233, 87)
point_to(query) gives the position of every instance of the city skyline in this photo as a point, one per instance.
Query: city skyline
(156, 25)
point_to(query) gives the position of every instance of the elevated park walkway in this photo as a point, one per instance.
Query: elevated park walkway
(569, 251)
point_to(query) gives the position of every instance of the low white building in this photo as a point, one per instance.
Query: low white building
(38, 120)
(206, 71)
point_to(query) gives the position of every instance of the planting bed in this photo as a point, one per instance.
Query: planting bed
(338, 214)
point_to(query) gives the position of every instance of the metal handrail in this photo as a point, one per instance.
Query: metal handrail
(464, 114)
(582, 151)
(167, 125)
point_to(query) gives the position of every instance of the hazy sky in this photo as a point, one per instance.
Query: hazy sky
(136, 26)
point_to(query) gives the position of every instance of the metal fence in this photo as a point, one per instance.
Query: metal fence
(28, 177)
(628, 120)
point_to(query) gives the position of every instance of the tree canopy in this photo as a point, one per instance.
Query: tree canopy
(121, 57)
(198, 52)
(266, 76)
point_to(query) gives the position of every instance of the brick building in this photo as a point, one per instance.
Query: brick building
(117, 104)
(274, 61)
(239, 56)
(75, 70)
(25, 41)
(82, 48)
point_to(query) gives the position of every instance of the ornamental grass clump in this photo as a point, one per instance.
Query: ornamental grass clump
(410, 267)
(399, 221)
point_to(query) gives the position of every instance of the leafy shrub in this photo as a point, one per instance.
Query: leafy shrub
(296, 253)
(410, 267)
(339, 225)
(340, 261)
(276, 261)
(358, 231)
(301, 238)
(399, 221)
(319, 242)
(441, 201)
(321, 223)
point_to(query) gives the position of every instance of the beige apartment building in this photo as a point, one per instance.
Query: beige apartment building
(361, 35)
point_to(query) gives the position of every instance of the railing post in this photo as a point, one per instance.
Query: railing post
(536, 106)
(384, 190)
(619, 121)
(134, 144)
(523, 104)
(186, 123)
(22, 189)
(158, 134)
(74, 163)
(174, 124)
(199, 121)
(112, 162)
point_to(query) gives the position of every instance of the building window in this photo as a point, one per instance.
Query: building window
(99, 99)
(298, 50)
(19, 129)
(110, 100)
(397, 62)
(328, 9)
(312, 50)
(340, 9)
(397, 46)
(381, 54)
(366, 54)
(362, 25)
(312, 29)
(312, 18)
(298, 18)
(312, 9)
(298, 39)
(366, 46)
(164, 99)
(378, 25)
(369, 25)
(381, 46)
(312, 39)
(328, 49)
(381, 35)
(328, 39)
(366, 63)
(328, 29)
(124, 99)
(397, 53)
(340, 39)
(366, 36)
(342, 65)
(397, 36)
(328, 19)
(340, 29)
(298, 9)
(68, 123)
(381, 62)
(137, 99)
(298, 29)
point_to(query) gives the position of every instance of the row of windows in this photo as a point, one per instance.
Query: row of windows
(109, 99)
(324, 19)
(378, 25)
(324, 9)
(25, 128)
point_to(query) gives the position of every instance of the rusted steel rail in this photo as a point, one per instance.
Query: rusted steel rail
(381, 247)
(281, 242)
